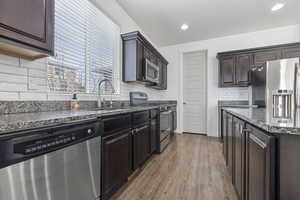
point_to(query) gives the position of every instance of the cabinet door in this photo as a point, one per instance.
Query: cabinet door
(260, 58)
(230, 146)
(239, 158)
(153, 135)
(116, 161)
(29, 22)
(141, 145)
(147, 53)
(225, 136)
(242, 69)
(260, 165)
(140, 70)
(164, 70)
(227, 65)
(291, 52)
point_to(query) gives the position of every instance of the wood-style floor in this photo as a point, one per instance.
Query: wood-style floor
(191, 168)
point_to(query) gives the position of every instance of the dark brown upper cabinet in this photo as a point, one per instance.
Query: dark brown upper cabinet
(291, 52)
(235, 66)
(227, 68)
(136, 49)
(261, 57)
(242, 70)
(27, 28)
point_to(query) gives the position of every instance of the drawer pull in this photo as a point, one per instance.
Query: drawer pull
(142, 128)
(258, 141)
(245, 130)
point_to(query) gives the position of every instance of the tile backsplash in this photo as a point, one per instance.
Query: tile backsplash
(25, 80)
(233, 93)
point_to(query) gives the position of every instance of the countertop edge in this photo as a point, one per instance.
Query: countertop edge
(272, 129)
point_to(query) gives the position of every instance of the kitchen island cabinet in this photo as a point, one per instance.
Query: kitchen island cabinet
(260, 165)
(239, 157)
(265, 154)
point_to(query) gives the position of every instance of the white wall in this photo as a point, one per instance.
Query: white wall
(27, 80)
(276, 36)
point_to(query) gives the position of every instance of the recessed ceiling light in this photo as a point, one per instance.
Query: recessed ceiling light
(184, 27)
(278, 6)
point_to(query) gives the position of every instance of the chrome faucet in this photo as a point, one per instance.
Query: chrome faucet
(101, 103)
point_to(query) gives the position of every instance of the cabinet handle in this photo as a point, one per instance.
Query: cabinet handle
(139, 129)
(258, 141)
(241, 129)
(133, 132)
(245, 130)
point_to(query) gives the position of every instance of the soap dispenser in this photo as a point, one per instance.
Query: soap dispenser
(74, 103)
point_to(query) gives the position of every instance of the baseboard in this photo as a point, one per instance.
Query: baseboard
(202, 134)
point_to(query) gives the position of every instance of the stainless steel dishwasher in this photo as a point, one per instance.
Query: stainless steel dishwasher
(57, 163)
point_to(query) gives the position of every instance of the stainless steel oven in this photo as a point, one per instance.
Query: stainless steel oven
(165, 128)
(152, 72)
(60, 163)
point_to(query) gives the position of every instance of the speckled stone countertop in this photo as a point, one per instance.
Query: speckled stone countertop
(263, 119)
(23, 121)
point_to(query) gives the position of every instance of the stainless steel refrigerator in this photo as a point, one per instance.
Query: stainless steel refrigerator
(276, 86)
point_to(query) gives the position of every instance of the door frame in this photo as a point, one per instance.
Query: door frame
(180, 88)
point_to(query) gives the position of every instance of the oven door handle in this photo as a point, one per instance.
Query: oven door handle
(166, 112)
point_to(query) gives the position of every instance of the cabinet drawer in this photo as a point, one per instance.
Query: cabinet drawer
(140, 117)
(116, 123)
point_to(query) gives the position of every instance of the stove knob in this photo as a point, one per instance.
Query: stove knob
(89, 131)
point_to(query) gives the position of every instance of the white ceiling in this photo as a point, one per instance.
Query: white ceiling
(161, 19)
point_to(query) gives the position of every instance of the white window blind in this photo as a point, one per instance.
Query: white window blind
(86, 48)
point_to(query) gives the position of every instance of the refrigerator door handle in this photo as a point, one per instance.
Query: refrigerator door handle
(296, 103)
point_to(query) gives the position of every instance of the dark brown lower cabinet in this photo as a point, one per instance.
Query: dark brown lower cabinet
(141, 145)
(225, 136)
(260, 165)
(153, 135)
(239, 157)
(250, 155)
(230, 140)
(116, 161)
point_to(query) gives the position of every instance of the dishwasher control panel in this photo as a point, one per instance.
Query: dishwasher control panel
(52, 141)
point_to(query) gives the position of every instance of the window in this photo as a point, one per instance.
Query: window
(86, 48)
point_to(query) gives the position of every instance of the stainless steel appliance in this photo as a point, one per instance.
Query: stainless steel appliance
(174, 120)
(165, 127)
(152, 72)
(57, 163)
(138, 98)
(276, 86)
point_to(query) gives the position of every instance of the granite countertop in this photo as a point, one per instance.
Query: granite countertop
(262, 118)
(22, 121)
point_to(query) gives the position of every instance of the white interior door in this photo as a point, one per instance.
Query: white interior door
(194, 92)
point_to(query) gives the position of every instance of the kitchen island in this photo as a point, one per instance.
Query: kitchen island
(261, 153)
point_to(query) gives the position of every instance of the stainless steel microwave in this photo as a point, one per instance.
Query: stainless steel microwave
(152, 72)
